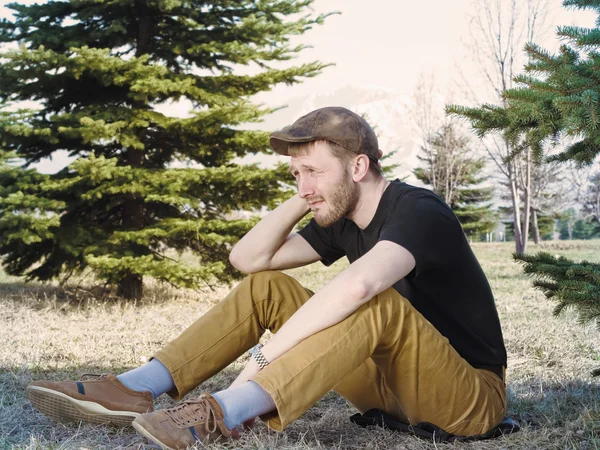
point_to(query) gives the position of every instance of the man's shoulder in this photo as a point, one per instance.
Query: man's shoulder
(402, 191)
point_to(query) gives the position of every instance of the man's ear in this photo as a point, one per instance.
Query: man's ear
(360, 168)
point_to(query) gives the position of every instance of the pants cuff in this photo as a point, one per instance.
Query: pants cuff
(277, 419)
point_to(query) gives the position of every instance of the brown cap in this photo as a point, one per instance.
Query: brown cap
(333, 123)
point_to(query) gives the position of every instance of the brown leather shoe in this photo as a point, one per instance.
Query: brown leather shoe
(184, 425)
(103, 400)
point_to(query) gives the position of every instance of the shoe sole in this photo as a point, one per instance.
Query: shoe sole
(140, 429)
(62, 408)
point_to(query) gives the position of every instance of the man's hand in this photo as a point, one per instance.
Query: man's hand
(251, 369)
(248, 425)
(257, 249)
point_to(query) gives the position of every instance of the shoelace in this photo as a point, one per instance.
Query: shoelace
(194, 412)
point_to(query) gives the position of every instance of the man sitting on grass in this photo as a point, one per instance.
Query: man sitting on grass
(410, 327)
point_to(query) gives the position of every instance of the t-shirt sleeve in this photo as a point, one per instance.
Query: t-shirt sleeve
(423, 225)
(323, 241)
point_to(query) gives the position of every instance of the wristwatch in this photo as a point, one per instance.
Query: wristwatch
(256, 353)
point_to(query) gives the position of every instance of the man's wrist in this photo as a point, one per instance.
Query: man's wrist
(252, 366)
(303, 204)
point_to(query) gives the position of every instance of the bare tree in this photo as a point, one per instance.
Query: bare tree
(584, 188)
(427, 112)
(590, 198)
(498, 31)
(548, 196)
(592, 204)
(444, 146)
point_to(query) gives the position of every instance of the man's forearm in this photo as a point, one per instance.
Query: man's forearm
(330, 305)
(257, 247)
(365, 278)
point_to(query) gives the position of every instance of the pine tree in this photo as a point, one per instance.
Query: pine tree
(586, 229)
(546, 224)
(454, 175)
(100, 70)
(558, 95)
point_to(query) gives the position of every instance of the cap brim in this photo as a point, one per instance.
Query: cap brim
(280, 140)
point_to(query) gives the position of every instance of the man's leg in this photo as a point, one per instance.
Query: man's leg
(427, 377)
(365, 388)
(261, 301)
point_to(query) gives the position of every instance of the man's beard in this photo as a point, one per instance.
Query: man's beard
(342, 202)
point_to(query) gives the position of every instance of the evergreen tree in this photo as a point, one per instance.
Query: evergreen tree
(546, 224)
(454, 175)
(586, 229)
(100, 70)
(559, 95)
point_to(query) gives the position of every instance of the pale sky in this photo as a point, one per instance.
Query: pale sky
(388, 44)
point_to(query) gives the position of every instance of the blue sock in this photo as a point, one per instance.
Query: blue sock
(243, 402)
(153, 377)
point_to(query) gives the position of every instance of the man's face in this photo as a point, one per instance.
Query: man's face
(326, 184)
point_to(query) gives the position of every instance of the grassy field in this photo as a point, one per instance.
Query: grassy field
(45, 334)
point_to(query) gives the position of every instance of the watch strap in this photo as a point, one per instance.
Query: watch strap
(258, 356)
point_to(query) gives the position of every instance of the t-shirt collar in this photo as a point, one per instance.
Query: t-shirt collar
(381, 209)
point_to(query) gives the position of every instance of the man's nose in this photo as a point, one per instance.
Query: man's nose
(305, 187)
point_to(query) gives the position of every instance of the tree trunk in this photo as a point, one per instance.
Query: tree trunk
(527, 208)
(130, 287)
(536, 228)
(145, 28)
(514, 194)
(570, 229)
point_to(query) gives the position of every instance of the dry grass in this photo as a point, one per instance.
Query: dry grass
(45, 335)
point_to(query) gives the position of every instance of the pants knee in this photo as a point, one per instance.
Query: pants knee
(261, 281)
(267, 276)
(275, 296)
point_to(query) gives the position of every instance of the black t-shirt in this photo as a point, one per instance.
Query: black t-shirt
(447, 284)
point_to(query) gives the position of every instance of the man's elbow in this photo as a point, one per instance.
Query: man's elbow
(360, 292)
(243, 265)
(236, 261)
